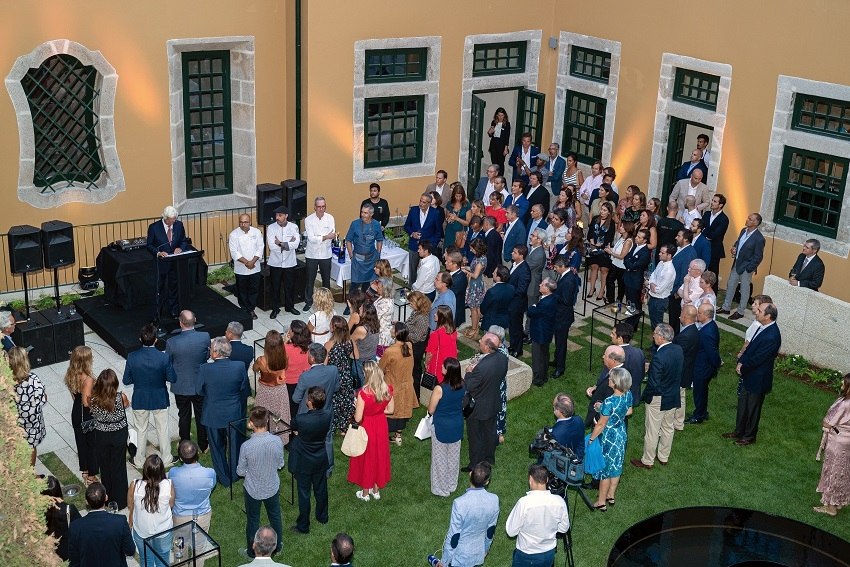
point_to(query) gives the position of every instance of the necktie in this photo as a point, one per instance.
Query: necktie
(169, 235)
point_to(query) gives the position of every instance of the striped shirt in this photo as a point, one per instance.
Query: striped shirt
(260, 458)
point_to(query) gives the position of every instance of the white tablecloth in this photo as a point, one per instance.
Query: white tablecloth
(396, 256)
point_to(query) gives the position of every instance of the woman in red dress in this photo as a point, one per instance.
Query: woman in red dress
(371, 470)
(442, 343)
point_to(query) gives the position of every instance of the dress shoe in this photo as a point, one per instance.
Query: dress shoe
(517, 354)
(294, 311)
(274, 313)
(307, 307)
(538, 383)
(730, 435)
(297, 530)
(526, 341)
(662, 463)
(744, 442)
(735, 316)
(694, 420)
(556, 374)
(133, 463)
(639, 464)
(723, 312)
(465, 469)
(253, 314)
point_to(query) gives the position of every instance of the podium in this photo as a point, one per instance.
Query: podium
(180, 264)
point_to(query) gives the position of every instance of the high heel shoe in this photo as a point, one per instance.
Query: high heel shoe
(610, 501)
(364, 496)
(374, 494)
(601, 508)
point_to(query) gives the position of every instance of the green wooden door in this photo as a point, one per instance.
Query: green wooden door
(675, 153)
(530, 116)
(476, 139)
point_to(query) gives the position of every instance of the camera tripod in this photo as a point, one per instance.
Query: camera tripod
(563, 492)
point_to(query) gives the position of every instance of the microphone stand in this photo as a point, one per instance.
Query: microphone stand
(160, 332)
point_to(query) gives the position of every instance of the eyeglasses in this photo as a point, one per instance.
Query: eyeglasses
(321, 206)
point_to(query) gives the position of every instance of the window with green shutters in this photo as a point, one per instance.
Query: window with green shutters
(63, 97)
(821, 115)
(393, 130)
(811, 191)
(590, 64)
(206, 114)
(584, 126)
(498, 58)
(396, 65)
(698, 89)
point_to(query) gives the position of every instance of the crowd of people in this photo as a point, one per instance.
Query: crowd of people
(510, 256)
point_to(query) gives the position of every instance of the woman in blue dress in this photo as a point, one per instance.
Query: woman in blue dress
(611, 427)
(364, 240)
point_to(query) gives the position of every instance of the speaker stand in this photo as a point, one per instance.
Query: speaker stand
(56, 290)
(26, 296)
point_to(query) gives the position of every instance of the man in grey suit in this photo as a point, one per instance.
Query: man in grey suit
(482, 383)
(326, 376)
(747, 252)
(536, 261)
(188, 351)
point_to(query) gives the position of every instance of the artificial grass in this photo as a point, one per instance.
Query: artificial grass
(777, 475)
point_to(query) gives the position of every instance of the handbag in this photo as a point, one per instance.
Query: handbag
(594, 462)
(356, 373)
(460, 239)
(424, 429)
(355, 441)
(429, 380)
(87, 425)
(468, 404)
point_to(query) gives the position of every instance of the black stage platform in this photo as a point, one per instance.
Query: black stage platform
(119, 327)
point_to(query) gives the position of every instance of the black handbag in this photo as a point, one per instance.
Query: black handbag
(356, 373)
(468, 404)
(428, 381)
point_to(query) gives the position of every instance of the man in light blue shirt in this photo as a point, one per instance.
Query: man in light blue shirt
(443, 285)
(193, 484)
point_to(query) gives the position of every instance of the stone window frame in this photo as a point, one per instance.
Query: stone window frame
(111, 181)
(471, 84)
(667, 107)
(568, 82)
(429, 88)
(783, 134)
(242, 115)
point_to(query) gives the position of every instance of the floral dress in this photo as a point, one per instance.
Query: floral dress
(30, 398)
(614, 434)
(475, 289)
(343, 401)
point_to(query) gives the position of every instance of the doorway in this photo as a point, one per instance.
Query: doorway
(525, 113)
(681, 140)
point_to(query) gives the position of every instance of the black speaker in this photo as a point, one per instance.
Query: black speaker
(67, 332)
(25, 249)
(295, 197)
(265, 295)
(300, 281)
(38, 334)
(269, 197)
(57, 241)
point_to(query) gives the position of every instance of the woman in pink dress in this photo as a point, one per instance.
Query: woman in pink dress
(371, 470)
(834, 484)
(442, 343)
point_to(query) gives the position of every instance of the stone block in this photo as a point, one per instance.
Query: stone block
(518, 378)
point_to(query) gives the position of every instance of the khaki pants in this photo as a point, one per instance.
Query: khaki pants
(160, 421)
(658, 438)
(679, 416)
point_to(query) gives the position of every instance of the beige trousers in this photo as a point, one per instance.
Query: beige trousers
(658, 437)
(679, 419)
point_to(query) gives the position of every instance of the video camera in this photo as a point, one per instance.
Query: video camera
(564, 467)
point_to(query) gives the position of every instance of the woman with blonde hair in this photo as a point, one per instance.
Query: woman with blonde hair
(371, 471)
(30, 397)
(417, 332)
(397, 364)
(79, 379)
(107, 407)
(341, 353)
(271, 386)
(319, 322)
(382, 270)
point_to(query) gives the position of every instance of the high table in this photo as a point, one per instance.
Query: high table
(396, 256)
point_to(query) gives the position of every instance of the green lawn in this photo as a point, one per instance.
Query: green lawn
(408, 522)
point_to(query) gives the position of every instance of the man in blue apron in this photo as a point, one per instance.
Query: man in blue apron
(364, 241)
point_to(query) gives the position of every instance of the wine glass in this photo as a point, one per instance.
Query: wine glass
(112, 507)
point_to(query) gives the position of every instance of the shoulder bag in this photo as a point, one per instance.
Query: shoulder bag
(429, 380)
(594, 462)
(355, 441)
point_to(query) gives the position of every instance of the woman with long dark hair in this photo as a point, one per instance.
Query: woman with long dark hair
(600, 235)
(446, 406)
(619, 250)
(149, 502)
(442, 343)
(271, 386)
(500, 138)
(458, 213)
(397, 364)
(298, 340)
(107, 408)
(341, 353)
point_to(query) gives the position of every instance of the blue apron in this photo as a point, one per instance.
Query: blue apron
(365, 253)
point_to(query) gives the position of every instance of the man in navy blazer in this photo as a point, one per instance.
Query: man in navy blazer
(166, 237)
(326, 376)
(748, 252)
(514, 232)
(308, 460)
(684, 171)
(454, 263)
(484, 182)
(808, 270)
(636, 263)
(537, 194)
(755, 367)
(523, 159)
(716, 223)
(700, 243)
(493, 240)
(688, 339)
(706, 363)
(188, 350)
(681, 261)
(99, 539)
(422, 223)
(566, 294)
(497, 300)
(148, 370)
(7, 327)
(541, 317)
(634, 360)
(223, 385)
(240, 352)
(661, 395)
(519, 279)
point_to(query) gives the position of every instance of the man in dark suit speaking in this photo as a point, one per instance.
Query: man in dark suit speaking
(326, 376)
(755, 367)
(482, 383)
(99, 539)
(166, 237)
(308, 460)
(808, 270)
